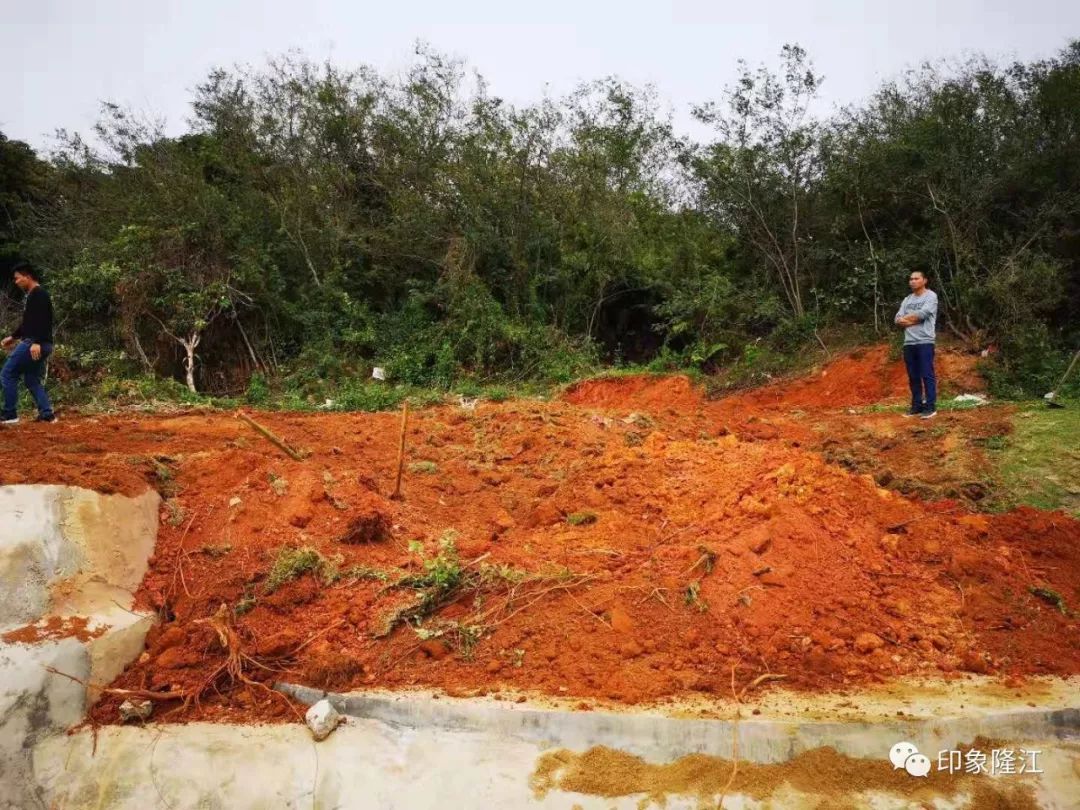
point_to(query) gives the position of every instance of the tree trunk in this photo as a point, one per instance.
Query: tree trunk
(133, 333)
(258, 366)
(189, 360)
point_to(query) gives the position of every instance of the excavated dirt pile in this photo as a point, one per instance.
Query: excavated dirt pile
(631, 542)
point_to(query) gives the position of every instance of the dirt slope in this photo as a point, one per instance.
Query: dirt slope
(632, 542)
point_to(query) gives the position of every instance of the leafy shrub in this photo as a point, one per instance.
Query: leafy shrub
(258, 390)
(1029, 365)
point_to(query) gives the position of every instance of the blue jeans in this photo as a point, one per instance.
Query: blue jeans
(20, 363)
(919, 359)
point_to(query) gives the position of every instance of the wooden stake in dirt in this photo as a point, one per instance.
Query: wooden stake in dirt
(284, 446)
(401, 451)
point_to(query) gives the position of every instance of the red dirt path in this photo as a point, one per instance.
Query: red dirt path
(721, 540)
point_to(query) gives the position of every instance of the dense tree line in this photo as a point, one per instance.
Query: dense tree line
(314, 219)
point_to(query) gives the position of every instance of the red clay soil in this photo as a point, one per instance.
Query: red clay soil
(864, 377)
(606, 556)
(644, 392)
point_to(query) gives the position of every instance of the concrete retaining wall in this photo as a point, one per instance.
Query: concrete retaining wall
(661, 737)
(64, 552)
(370, 765)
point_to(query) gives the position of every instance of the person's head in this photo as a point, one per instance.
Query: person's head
(26, 277)
(917, 281)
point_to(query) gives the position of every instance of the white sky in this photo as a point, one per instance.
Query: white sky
(60, 58)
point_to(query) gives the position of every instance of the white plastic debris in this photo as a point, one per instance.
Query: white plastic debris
(976, 399)
(378, 373)
(135, 710)
(322, 718)
(235, 501)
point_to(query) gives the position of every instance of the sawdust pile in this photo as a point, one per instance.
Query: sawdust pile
(822, 772)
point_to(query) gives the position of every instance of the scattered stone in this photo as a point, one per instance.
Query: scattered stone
(278, 644)
(774, 579)
(370, 523)
(172, 658)
(979, 523)
(759, 431)
(868, 642)
(545, 514)
(302, 517)
(900, 608)
(974, 399)
(757, 540)
(135, 710)
(435, 648)
(170, 637)
(322, 719)
(621, 621)
(940, 642)
(890, 541)
(974, 662)
(502, 522)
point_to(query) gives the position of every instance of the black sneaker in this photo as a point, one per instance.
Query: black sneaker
(46, 418)
(928, 415)
(910, 414)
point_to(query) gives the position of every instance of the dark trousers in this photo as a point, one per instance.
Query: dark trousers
(919, 359)
(21, 364)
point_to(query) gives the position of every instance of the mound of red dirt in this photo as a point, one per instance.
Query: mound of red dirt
(864, 377)
(543, 546)
(641, 392)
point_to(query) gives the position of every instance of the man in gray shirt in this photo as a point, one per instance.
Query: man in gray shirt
(917, 316)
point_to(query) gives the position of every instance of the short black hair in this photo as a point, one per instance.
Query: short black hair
(25, 269)
(921, 272)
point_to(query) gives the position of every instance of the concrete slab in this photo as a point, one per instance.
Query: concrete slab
(64, 552)
(765, 738)
(35, 705)
(369, 764)
(71, 551)
(32, 551)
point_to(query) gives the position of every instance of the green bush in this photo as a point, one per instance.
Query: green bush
(258, 390)
(1029, 365)
(368, 396)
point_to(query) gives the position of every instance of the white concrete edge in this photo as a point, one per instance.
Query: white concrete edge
(657, 736)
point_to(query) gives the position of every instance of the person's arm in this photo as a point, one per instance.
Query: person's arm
(13, 338)
(928, 311)
(30, 328)
(903, 321)
(42, 322)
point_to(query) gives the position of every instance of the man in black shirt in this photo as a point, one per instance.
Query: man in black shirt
(29, 347)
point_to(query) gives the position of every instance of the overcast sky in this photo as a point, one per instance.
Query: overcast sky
(61, 58)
